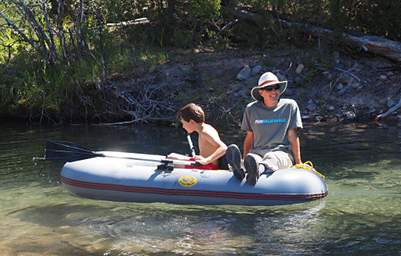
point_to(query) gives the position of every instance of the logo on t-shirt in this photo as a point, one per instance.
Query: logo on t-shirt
(271, 121)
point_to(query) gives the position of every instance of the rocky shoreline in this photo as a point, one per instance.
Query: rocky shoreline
(329, 87)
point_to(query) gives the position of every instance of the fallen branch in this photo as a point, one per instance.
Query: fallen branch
(349, 73)
(374, 44)
(388, 112)
(169, 118)
(129, 23)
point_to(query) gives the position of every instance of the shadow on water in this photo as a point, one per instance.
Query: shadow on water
(205, 230)
(55, 248)
(301, 229)
(54, 215)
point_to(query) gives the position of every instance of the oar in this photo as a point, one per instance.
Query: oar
(191, 145)
(67, 151)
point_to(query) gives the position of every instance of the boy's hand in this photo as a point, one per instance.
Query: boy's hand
(201, 160)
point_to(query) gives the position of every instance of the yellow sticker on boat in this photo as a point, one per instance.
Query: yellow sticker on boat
(187, 181)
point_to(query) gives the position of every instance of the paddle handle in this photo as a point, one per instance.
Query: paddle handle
(191, 145)
(143, 157)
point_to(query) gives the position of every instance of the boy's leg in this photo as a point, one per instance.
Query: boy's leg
(276, 160)
(233, 156)
(251, 163)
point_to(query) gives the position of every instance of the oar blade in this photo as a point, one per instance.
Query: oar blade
(67, 151)
(65, 145)
(66, 155)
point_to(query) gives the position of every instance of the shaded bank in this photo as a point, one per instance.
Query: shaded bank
(329, 86)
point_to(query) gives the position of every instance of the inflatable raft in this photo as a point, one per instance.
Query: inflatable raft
(119, 176)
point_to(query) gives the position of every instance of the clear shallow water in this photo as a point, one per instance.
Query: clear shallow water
(361, 215)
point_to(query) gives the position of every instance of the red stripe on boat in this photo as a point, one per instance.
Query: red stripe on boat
(188, 192)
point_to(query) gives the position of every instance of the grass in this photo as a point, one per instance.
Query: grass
(31, 87)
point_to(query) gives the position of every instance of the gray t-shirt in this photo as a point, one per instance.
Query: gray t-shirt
(270, 126)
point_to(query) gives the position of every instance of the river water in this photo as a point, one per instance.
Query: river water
(360, 216)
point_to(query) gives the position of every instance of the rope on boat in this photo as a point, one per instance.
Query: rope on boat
(308, 165)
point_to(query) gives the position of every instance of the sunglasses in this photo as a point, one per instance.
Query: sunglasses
(271, 88)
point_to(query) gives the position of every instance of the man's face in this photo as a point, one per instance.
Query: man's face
(270, 93)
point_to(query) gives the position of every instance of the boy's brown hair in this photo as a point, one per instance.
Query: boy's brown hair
(191, 111)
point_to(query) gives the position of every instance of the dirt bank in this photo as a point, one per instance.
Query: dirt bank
(329, 86)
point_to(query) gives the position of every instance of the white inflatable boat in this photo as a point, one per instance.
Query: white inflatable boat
(119, 176)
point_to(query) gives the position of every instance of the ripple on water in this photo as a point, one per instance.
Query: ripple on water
(360, 216)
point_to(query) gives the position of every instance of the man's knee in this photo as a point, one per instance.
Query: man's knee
(256, 156)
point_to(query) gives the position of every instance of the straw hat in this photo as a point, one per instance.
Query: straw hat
(265, 80)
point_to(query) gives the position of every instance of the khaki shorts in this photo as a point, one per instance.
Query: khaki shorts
(275, 160)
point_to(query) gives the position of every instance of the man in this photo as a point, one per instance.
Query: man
(271, 125)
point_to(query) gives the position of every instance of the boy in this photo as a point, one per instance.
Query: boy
(211, 147)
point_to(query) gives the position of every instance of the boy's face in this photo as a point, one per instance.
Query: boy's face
(188, 126)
